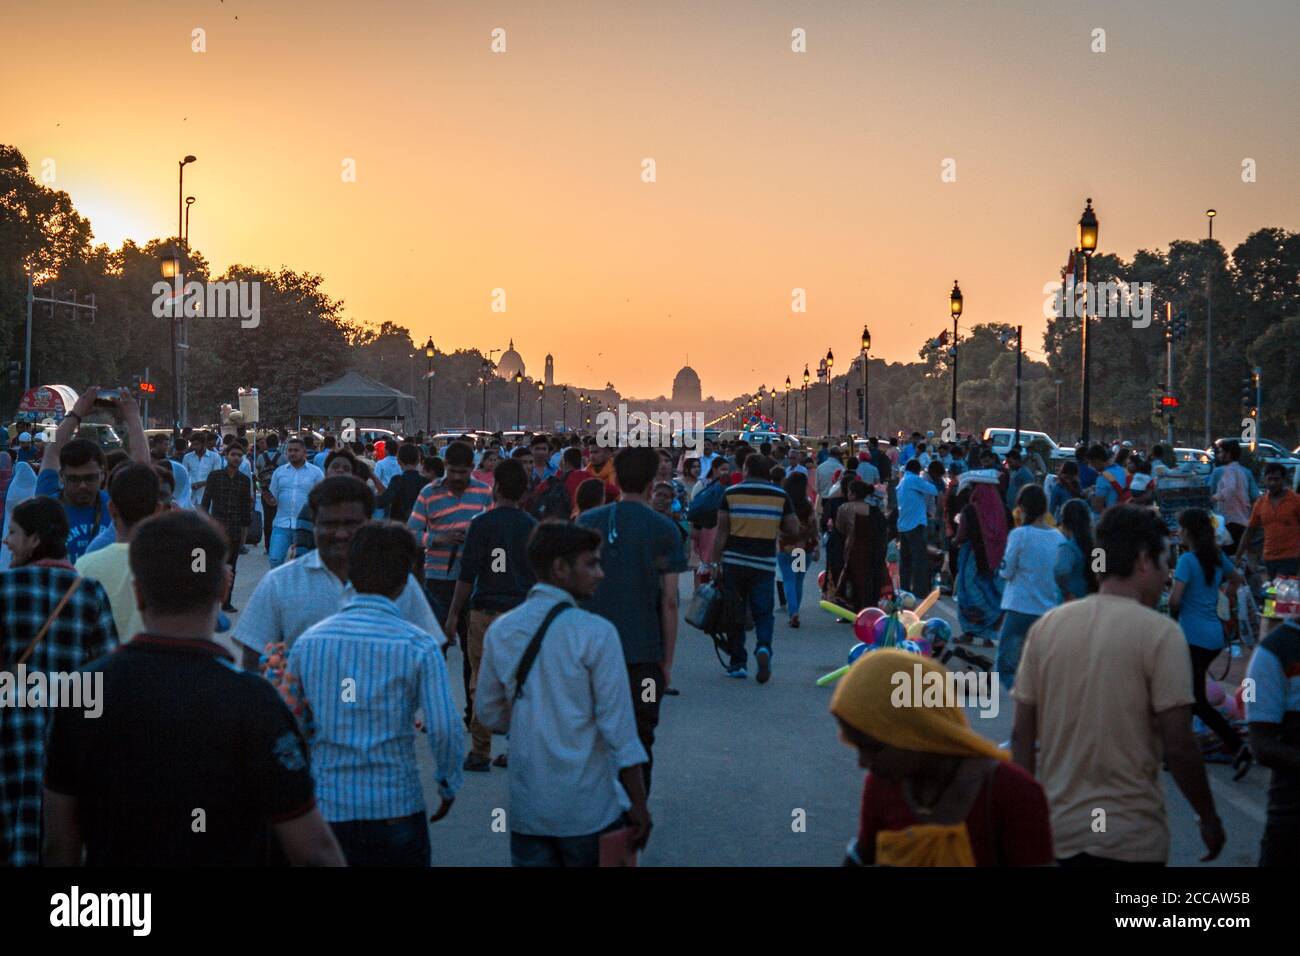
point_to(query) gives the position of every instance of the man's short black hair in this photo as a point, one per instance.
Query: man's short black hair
(1014, 452)
(590, 494)
(635, 468)
(329, 442)
(1232, 448)
(273, 440)
(913, 466)
(458, 455)
(1124, 532)
(1098, 453)
(433, 464)
(134, 491)
(539, 440)
(82, 451)
(295, 438)
(408, 455)
(510, 479)
(758, 466)
(1275, 468)
(561, 540)
(339, 490)
(165, 476)
(380, 557)
(572, 457)
(179, 558)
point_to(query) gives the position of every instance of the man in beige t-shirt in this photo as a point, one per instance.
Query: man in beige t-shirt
(1104, 689)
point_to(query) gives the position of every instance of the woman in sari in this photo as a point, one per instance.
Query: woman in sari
(866, 535)
(981, 540)
(830, 506)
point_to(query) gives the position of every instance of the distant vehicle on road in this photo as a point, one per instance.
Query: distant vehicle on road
(1198, 460)
(1001, 439)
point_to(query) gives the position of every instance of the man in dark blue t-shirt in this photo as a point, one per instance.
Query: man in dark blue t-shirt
(495, 577)
(641, 555)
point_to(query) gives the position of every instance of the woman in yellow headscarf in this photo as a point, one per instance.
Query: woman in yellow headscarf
(936, 793)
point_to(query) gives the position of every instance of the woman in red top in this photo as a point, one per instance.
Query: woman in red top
(937, 793)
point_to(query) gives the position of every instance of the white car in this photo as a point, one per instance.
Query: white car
(1195, 459)
(1001, 439)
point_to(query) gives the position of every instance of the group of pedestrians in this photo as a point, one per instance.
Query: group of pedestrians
(555, 567)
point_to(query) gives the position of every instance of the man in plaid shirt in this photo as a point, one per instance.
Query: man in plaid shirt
(228, 497)
(82, 631)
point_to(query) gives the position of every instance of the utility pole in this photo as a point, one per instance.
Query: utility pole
(1169, 370)
(33, 298)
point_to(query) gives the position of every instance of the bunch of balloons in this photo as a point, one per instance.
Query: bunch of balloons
(897, 621)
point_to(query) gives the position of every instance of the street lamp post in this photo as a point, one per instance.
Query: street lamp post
(1087, 245)
(866, 388)
(806, 379)
(178, 366)
(519, 396)
(1059, 381)
(428, 386)
(787, 402)
(541, 393)
(1209, 336)
(954, 306)
(830, 362)
(564, 408)
(189, 201)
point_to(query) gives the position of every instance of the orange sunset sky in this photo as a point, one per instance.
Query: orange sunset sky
(775, 170)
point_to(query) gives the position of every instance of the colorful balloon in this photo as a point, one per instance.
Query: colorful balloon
(910, 646)
(857, 650)
(937, 630)
(927, 650)
(888, 632)
(906, 600)
(914, 630)
(821, 581)
(863, 626)
(908, 618)
(888, 605)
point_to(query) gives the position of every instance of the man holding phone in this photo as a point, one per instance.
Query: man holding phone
(72, 469)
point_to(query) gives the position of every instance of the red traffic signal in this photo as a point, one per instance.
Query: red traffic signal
(147, 388)
(1168, 401)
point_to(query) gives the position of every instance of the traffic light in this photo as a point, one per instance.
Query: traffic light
(1180, 326)
(15, 369)
(147, 388)
(1248, 394)
(1157, 405)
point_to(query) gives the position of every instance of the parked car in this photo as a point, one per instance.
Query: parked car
(1001, 439)
(1199, 461)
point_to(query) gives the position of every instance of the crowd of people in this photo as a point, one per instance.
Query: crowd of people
(555, 565)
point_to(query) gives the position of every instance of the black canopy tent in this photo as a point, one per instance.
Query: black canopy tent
(356, 396)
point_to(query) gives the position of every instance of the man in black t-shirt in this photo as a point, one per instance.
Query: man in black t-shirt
(399, 497)
(495, 577)
(191, 762)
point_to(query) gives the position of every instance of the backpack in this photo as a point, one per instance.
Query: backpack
(553, 503)
(1122, 493)
(703, 512)
(266, 467)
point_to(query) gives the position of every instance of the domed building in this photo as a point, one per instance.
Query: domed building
(686, 387)
(511, 362)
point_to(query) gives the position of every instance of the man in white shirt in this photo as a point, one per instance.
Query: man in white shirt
(553, 676)
(827, 472)
(200, 462)
(290, 485)
(1232, 496)
(294, 596)
(388, 467)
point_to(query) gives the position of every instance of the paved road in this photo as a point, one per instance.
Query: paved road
(738, 764)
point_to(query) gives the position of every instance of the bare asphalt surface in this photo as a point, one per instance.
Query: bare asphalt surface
(750, 775)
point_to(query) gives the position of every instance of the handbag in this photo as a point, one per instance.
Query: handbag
(704, 611)
(254, 533)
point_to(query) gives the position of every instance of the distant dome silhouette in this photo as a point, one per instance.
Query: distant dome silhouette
(511, 362)
(686, 387)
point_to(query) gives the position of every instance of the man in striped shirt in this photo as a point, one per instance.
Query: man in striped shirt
(440, 520)
(751, 517)
(363, 672)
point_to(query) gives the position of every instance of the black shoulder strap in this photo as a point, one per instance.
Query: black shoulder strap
(535, 645)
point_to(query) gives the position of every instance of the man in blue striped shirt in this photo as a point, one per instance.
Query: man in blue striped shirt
(363, 673)
(751, 517)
